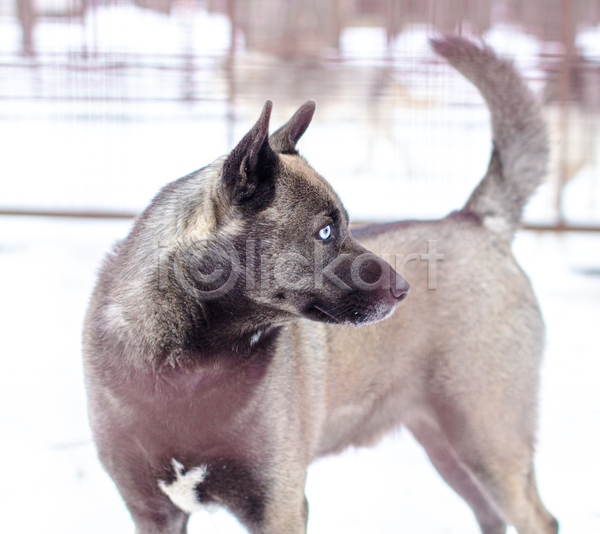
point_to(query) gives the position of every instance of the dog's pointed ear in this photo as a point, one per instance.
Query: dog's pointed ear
(284, 140)
(252, 161)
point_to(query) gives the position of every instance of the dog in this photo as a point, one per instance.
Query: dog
(222, 352)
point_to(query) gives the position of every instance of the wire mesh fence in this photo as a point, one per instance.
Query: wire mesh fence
(101, 102)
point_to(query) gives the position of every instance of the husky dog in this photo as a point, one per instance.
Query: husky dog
(219, 354)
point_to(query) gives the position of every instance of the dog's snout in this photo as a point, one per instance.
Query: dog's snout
(370, 269)
(399, 286)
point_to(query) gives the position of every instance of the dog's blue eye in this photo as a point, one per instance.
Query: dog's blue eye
(325, 233)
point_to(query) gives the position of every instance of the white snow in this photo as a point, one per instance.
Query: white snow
(363, 45)
(588, 42)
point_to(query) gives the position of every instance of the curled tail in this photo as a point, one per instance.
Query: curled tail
(520, 153)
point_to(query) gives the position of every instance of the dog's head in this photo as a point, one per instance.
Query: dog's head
(259, 238)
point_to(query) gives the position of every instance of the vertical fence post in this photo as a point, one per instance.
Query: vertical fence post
(564, 88)
(230, 73)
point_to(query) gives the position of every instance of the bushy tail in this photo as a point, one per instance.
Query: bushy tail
(520, 152)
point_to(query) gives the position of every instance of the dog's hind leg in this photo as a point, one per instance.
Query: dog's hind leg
(489, 463)
(454, 472)
(513, 489)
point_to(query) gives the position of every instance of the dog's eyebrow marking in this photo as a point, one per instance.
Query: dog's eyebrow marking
(342, 215)
(182, 491)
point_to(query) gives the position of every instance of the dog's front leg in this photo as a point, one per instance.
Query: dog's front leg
(287, 509)
(153, 513)
(287, 514)
(285, 505)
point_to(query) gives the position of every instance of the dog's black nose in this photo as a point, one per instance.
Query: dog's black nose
(399, 286)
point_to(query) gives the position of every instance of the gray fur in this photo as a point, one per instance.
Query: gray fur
(519, 135)
(242, 390)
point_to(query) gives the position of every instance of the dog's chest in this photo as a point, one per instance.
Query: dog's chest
(218, 480)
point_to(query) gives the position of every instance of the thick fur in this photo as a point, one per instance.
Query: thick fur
(519, 134)
(222, 389)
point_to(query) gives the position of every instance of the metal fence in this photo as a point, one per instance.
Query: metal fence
(81, 60)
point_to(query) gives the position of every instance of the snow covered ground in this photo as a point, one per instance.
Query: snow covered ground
(54, 483)
(79, 155)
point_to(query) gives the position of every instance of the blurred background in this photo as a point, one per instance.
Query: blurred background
(104, 101)
(119, 97)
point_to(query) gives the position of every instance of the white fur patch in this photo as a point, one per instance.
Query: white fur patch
(114, 317)
(497, 225)
(182, 491)
(254, 339)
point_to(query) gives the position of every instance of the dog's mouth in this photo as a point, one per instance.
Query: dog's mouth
(319, 313)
